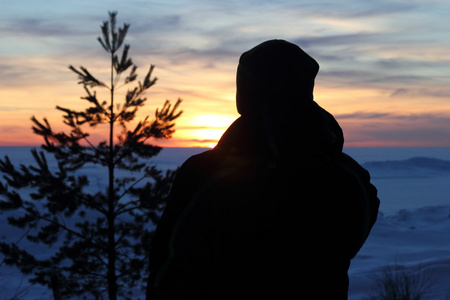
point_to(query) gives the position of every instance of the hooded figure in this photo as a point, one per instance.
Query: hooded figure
(276, 210)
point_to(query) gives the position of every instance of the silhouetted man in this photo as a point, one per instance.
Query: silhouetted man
(275, 210)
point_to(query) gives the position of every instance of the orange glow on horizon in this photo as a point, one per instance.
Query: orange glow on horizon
(201, 126)
(208, 112)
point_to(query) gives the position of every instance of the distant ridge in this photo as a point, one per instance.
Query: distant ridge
(427, 163)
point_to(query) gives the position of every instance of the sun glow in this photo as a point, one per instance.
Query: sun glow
(206, 130)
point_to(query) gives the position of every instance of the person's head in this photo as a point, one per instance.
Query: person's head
(275, 72)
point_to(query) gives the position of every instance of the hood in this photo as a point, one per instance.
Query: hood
(275, 72)
(275, 82)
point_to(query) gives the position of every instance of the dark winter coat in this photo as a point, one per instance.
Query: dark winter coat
(274, 211)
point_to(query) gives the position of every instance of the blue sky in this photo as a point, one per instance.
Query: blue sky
(384, 74)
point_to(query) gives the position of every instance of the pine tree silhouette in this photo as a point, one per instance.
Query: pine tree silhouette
(101, 235)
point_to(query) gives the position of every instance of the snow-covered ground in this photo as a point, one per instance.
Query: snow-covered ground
(413, 228)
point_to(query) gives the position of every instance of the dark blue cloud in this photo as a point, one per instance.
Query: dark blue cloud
(363, 115)
(416, 129)
(348, 9)
(155, 24)
(442, 92)
(335, 40)
(408, 136)
(429, 117)
(40, 27)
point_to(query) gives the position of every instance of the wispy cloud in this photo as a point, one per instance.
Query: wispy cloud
(422, 92)
(428, 116)
(401, 129)
(39, 28)
(363, 115)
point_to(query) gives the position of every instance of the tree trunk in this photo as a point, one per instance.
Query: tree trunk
(55, 287)
(112, 278)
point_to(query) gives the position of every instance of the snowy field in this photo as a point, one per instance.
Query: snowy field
(413, 227)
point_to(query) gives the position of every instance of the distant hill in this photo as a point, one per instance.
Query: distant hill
(424, 163)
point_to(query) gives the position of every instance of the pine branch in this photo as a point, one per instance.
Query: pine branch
(128, 208)
(112, 23)
(93, 99)
(41, 129)
(162, 126)
(132, 75)
(105, 42)
(126, 192)
(67, 229)
(124, 63)
(112, 40)
(133, 266)
(122, 33)
(16, 243)
(86, 78)
(148, 82)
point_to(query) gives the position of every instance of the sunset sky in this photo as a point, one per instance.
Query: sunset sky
(384, 65)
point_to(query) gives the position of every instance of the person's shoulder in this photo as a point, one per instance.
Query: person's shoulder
(351, 164)
(203, 164)
(201, 160)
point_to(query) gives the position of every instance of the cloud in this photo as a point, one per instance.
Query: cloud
(364, 115)
(154, 23)
(9, 108)
(421, 92)
(403, 136)
(381, 8)
(201, 127)
(413, 129)
(354, 9)
(209, 57)
(37, 28)
(335, 40)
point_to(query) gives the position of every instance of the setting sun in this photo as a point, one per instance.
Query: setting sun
(207, 129)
